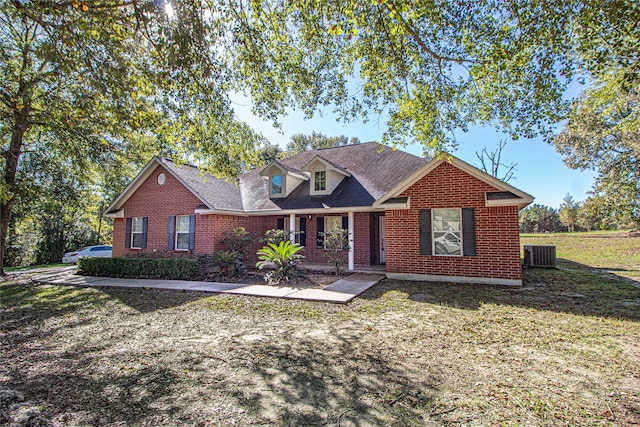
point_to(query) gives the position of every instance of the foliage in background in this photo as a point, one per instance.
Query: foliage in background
(140, 268)
(568, 212)
(603, 133)
(283, 258)
(301, 142)
(539, 219)
(336, 248)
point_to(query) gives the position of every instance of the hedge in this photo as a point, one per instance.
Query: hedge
(140, 268)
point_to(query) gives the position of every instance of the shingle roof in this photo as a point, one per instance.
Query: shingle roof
(374, 170)
(217, 193)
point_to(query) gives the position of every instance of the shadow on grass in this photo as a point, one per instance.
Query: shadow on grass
(32, 304)
(332, 380)
(571, 288)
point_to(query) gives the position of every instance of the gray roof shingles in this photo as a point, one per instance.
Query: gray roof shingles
(374, 169)
(373, 172)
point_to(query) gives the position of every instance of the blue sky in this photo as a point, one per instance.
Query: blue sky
(539, 171)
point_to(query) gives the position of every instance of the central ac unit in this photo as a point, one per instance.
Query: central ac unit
(540, 255)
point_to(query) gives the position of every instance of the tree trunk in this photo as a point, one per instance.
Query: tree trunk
(11, 158)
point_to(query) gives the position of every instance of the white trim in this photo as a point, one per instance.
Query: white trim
(454, 279)
(465, 167)
(350, 236)
(136, 232)
(292, 228)
(175, 238)
(118, 214)
(328, 166)
(278, 212)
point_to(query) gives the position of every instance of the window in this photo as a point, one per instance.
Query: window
(334, 224)
(137, 232)
(182, 232)
(320, 180)
(276, 184)
(286, 228)
(447, 231)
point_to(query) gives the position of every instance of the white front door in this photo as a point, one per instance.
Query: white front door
(383, 239)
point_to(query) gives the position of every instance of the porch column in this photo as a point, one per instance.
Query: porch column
(292, 228)
(351, 253)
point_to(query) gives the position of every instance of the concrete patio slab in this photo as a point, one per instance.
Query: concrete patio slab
(355, 284)
(264, 291)
(321, 295)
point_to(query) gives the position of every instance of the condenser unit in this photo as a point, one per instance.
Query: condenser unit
(540, 255)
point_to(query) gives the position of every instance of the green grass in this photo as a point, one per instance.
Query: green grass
(563, 350)
(605, 250)
(32, 267)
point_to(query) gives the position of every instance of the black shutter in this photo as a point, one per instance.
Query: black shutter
(468, 232)
(303, 231)
(345, 223)
(145, 224)
(425, 232)
(280, 224)
(319, 231)
(172, 233)
(192, 232)
(127, 233)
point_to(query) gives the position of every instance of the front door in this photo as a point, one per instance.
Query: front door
(383, 239)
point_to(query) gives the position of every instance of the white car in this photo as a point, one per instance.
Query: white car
(89, 251)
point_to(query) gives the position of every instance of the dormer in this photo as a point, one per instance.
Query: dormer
(324, 175)
(282, 179)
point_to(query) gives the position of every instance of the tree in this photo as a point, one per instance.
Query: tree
(539, 219)
(300, 142)
(491, 163)
(568, 212)
(91, 82)
(603, 132)
(336, 248)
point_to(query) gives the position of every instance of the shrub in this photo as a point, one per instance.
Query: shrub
(284, 257)
(275, 236)
(336, 247)
(238, 240)
(140, 268)
(229, 262)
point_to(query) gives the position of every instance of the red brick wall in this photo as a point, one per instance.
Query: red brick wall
(497, 232)
(158, 203)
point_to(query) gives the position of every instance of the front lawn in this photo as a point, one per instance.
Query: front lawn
(562, 350)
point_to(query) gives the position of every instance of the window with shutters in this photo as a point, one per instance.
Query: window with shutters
(333, 224)
(447, 231)
(137, 232)
(287, 228)
(182, 233)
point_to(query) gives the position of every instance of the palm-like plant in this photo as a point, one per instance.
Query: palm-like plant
(284, 257)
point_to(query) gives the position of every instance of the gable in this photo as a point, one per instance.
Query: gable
(456, 179)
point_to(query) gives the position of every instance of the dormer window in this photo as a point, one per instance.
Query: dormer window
(320, 180)
(276, 184)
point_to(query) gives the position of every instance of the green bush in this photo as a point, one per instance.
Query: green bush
(284, 258)
(140, 268)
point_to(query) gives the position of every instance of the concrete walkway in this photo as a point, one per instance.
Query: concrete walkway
(341, 291)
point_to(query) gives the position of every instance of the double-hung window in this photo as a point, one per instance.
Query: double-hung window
(182, 232)
(137, 232)
(320, 180)
(447, 231)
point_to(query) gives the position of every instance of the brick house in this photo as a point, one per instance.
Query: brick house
(436, 220)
